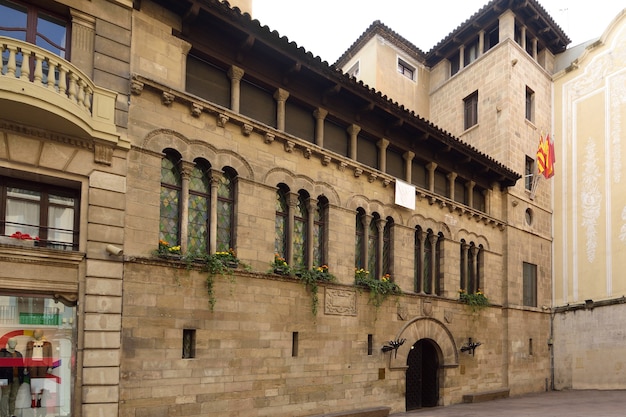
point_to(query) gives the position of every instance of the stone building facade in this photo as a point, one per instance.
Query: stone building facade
(175, 130)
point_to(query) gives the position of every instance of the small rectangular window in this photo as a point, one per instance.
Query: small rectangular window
(454, 64)
(370, 344)
(470, 110)
(354, 70)
(530, 285)
(189, 343)
(530, 105)
(529, 172)
(294, 344)
(406, 69)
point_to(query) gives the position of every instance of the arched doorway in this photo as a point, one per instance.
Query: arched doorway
(422, 375)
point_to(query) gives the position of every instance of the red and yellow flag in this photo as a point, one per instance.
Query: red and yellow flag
(545, 157)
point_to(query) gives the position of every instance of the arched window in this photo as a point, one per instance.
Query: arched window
(320, 217)
(199, 206)
(300, 235)
(282, 213)
(373, 260)
(226, 210)
(427, 261)
(471, 266)
(387, 246)
(359, 240)
(169, 225)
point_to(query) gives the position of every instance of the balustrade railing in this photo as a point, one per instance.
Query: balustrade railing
(30, 63)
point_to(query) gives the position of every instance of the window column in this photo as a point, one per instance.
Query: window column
(281, 97)
(185, 172)
(382, 154)
(353, 131)
(320, 115)
(481, 43)
(235, 74)
(470, 193)
(408, 166)
(214, 182)
(451, 179)
(431, 167)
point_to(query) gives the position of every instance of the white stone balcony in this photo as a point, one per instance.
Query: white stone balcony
(41, 89)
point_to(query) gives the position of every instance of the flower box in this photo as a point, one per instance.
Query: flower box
(8, 240)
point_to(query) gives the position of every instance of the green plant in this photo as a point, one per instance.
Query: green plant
(280, 266)
(218, 263)
(311, 278)
(380, 289)
(475, 301)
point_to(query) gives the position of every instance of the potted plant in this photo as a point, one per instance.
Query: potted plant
(379, 289)
(310, 278)
(475, 301)
(280, 266)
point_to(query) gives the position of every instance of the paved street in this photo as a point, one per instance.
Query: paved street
(584, 403)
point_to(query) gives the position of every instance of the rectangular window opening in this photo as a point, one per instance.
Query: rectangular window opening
(530, 105)
(470, 110)
(294, 344)
(529, 171)
(189, 343)
(530, 285)
(370, 345)
(406, 69)
(530, 346)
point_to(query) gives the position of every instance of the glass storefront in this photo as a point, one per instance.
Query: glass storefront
(37, 356)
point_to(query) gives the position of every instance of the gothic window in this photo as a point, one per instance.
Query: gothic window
(320, 216)
(427, 261)
(300, 235)
(280, 228)
(373, 260)
(359, 239)
(199, 202)
(171, 190)
(471, 266)
(226, 210)
(387, 246)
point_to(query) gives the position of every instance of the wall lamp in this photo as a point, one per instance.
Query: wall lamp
(393, 345)
(470, 346)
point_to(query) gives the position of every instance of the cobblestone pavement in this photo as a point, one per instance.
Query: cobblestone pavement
(574, 403)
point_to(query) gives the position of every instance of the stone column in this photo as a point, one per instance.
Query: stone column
(481, 42)
(353, 131)
(382, 154)
(235, 74)
(214, 183)
(320, 115)
(185, 172)
(461, 57)
(431, 167)
(451, 179)
(281, 97)
(470, 193)
(408, 166)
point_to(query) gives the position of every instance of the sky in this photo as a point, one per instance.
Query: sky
(327, 28)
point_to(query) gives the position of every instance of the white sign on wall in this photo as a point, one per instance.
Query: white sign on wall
(405, 194)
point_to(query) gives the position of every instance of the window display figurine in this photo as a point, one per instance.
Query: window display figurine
(11, 376)
(39, 365)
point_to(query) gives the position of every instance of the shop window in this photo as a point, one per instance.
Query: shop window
(37, 334)
(47, 215)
